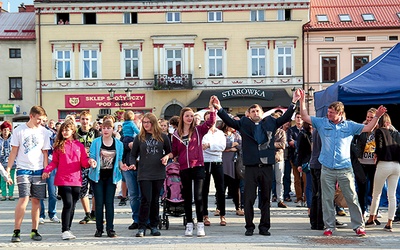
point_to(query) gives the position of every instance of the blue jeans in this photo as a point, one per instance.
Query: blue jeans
(104, 191)
(309, 189)
(287, 175)
(52, 202)
(133, 192)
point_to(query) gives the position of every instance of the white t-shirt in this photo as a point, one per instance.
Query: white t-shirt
(31, 142)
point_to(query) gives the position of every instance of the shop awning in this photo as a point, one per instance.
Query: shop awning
(244, 97)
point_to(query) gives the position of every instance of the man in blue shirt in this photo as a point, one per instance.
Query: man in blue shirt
(336, 134)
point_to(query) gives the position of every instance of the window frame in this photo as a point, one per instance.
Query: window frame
(336, 56)
(131, 18)
(256, 15)
(85, 19)
(282, 15)
(258, 58)
(11, 88)
(345, 18)
(174, 60)
(322, 18)
(131, 59)
(14, 53)
(354, 56)
(284, 61)
(64, 61)
(368, 17)
(215, 58)
(215, 17)
(91, 60)
(174, 15)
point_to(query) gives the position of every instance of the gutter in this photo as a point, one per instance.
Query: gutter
(40, 57)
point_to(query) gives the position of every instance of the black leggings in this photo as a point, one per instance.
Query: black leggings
(197, 175)
(69, 196)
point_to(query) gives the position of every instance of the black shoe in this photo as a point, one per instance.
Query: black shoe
(133, 226)
(155, 232)
(85, 220)
(111, 233)
(377, 222)
(396, 220)
(288, 199)
(249, 232)
(148, 226)
(122, 202)
(98, 233)
(265, 232)
(141, 233)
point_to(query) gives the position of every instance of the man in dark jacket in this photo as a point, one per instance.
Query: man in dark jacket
(258, 157)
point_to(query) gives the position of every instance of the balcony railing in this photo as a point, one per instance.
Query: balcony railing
(165, 81)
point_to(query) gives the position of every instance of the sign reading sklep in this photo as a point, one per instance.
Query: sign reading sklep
(104, 101)
(9, 109)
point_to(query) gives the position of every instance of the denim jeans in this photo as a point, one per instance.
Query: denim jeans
(287, 179)
(308, 189)
(52, 202)
(104, 191)
(133, 192)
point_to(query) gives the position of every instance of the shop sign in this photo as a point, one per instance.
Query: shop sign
(9, 109)
(104, 101)
(245, 92)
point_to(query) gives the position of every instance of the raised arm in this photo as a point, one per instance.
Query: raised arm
(303, 109)
(372, 124)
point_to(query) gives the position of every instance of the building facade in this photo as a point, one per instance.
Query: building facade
(17, 65)
(342, 36)
(167, 55)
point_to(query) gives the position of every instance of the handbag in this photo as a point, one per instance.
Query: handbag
(305, 167)
(239, 167)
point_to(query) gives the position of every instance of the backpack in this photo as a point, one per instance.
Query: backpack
(172, 183)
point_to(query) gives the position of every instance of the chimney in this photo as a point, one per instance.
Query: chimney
(26, 8)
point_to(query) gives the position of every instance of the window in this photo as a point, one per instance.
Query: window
(393, 38)
(131, 62)
(90, 63)
(345, 17)
(215, 62)
(130, 17)
(63, 64)
(89, 18)
(257, 15)
(173, 17)
(62, 18)
(329, 39)
(322, 18)
(368, 17)
(258, 61)
(215, 16)
(15, 88)
(359, 61)
(174, 61)
(284, 15)
(284, 61)
(361, 38)
(15, 53)
(329, 69)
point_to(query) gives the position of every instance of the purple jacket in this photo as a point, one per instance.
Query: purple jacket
(191, 155)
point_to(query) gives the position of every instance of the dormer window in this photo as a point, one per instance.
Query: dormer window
(345, 18)
(322, 18)
(368, 17)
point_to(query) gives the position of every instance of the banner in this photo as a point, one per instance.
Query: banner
(104, 101)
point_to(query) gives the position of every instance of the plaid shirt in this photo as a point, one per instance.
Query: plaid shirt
(5, 149)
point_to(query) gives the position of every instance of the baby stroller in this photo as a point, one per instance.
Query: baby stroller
(172, 201)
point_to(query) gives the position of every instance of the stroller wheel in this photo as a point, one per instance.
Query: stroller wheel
(160, 223)
(167, 224)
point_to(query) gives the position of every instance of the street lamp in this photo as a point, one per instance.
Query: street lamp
(111, 93)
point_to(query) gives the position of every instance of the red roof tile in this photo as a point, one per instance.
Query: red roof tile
(385, 12)
(17, 26)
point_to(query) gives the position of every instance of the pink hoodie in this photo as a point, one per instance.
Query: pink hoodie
(69, 164)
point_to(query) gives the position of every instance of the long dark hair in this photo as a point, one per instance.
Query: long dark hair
(60, 140)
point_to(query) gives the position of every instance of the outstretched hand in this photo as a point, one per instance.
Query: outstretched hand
(380, 111)
(214, 101)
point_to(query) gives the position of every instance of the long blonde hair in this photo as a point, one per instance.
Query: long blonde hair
(181, 123)
(157, 132)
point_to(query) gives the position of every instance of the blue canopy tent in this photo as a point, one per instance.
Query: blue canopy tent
(378, 82)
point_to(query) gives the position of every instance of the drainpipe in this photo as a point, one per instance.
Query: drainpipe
(306, 75)
(40, 58)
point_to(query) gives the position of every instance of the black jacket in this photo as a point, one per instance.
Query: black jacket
(252, 151)
(387, 149)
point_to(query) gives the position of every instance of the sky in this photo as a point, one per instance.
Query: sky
(14, 4)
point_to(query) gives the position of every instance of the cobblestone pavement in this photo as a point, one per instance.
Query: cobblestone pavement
(290, 230)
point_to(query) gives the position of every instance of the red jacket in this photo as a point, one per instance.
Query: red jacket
(69, 164)
(191, 155)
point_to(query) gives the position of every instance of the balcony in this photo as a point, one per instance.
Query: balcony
(171, 82)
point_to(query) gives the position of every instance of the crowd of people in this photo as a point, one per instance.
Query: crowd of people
(251, 156)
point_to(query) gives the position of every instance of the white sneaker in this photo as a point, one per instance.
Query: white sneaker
(67, 235)
(189, 229)
(41, 221)
(55, 219)
(200, 229)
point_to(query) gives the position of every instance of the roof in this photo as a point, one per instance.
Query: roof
(386, 13)
(17, 26)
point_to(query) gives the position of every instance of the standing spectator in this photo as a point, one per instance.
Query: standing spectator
(336, 134)
(287, 172)
(86, 136)
(30, 143)
(258, 157)
(299, 181)
(280, 145)
(7, 187)
(107, 151)
(388, 169)
(153, 148)
(51, 188)
(186, 145)
(69, 157)
(214, 143)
